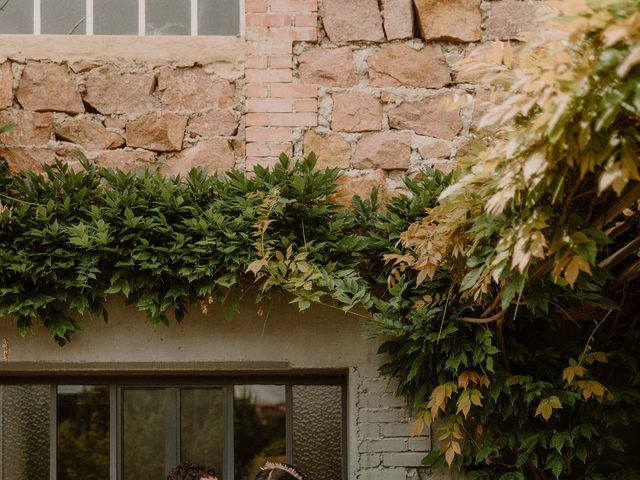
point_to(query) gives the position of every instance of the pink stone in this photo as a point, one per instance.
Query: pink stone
(436, 116)
(331, 67)
(332, 150)
(399, 65)
(483, 102)
(161, 133)
(356, 112)
(361, 185)
(214, 155)
(48, 87)
(110, 92)
(509, 19)
(398, 19)
(352, 20)
(435, 149)
(6, 85)
(125, 159)
(21, 159)
(193, 90)
(88, 133)
(213, 124)
(449, 20)
(31, 128)
(384, 150)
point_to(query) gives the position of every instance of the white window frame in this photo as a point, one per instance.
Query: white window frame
(37, 18)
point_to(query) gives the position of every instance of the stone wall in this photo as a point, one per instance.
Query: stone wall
(369, 85)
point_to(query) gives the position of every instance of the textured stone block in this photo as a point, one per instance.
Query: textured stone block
(332, 67)
(111, 92)
(26, 159)
(214, 154)
(125, 159)
(193, 90)
(399, 65)
(6, 85)
(509, 19)
(161, 133)
(48, 87)
(88, 133)
(398, 19)
(450, 20)
(31, 128)
(356, 112)
(348, 187)
(213, 124)
(385, 150)
(436, 116)
(353, 20)
(332, 150)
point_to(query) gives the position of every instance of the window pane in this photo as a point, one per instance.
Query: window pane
(24, 427)
(83, 432)
(16, 17)
(144, 417)
(115, 17)
(201, 427)
(168, 17)
(260, 428)
(63, 17)
(218, 17)
(317, 430)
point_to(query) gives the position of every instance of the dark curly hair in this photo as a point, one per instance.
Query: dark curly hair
(277, 473)
(191, 471)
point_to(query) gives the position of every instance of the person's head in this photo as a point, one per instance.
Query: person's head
(278, 471)
(192, 471)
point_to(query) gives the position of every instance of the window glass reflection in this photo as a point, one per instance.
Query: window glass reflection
(143, 423)
(16, 16)
(201, 427)
(83, 432)
(63, 17)
(168, 17)
(259, 427)
(115, 17)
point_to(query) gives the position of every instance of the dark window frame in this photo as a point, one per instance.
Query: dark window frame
(118, 382)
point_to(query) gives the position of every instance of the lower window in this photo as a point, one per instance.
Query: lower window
(140, 430)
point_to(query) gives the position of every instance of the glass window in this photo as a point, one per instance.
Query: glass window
(259, 427)
(83, 432)
(202, 427)
(135, 431)
(115, 17)
(168, 17)
(16, 17)
(63, 17)
(218, 17)
(120, 17)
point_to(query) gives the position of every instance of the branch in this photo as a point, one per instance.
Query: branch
(618, 256)
(482, 321)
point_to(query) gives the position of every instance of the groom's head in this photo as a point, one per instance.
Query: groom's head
(192, 471)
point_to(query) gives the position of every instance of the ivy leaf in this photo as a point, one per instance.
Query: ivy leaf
(547, 405)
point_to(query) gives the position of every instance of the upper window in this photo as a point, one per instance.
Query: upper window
(120, 17)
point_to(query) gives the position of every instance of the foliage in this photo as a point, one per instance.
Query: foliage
(514, 306)
(71, 239)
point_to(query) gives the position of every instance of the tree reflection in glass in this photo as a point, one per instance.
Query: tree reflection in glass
(83, 432)
(260, 427)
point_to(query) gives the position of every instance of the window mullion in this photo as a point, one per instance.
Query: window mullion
(89, 17)
(228, 433)
(114, 431)
(289, 422)
(142, 18)
(36, 17)
(194, 18)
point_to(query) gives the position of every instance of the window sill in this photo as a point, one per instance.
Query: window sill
(224, 55)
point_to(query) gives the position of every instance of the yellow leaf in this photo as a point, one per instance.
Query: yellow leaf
(417, 427)
(589, 358)
(570, 373)
(546, 406)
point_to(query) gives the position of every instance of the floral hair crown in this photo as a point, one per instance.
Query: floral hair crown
(281, 466)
